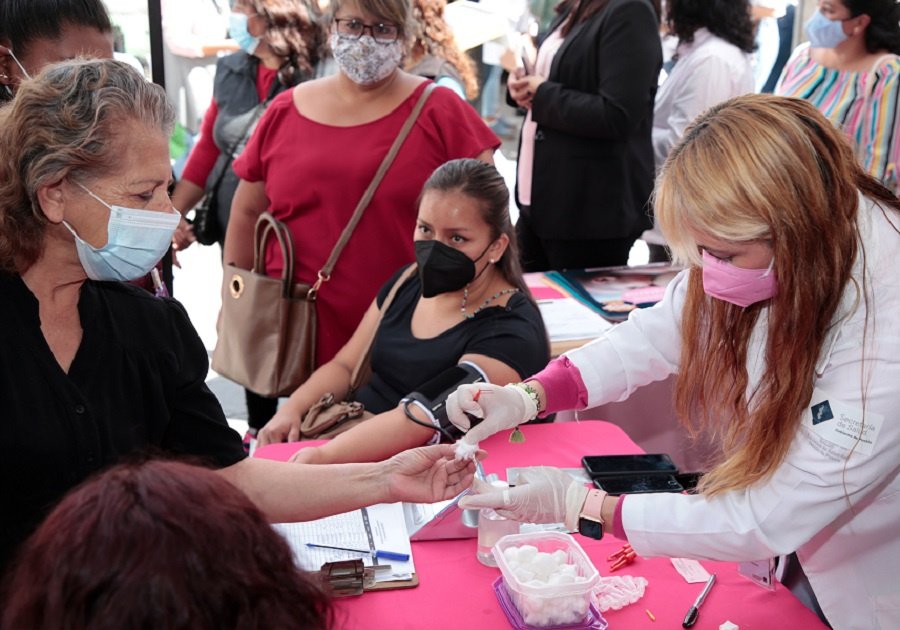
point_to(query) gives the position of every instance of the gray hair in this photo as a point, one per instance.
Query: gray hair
(62, 124)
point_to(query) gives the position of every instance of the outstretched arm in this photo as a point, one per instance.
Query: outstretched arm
(289, 492)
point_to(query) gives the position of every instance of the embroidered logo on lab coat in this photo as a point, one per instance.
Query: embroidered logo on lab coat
(821, 412)
(836, 428)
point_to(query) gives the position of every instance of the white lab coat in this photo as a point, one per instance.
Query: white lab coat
(709, 71)
(838, 507)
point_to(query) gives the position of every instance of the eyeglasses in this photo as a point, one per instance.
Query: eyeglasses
(382, 32)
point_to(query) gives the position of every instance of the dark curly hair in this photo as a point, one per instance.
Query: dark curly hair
(727, 19)
(434, 34)
(160, 544)
(883, 32)
(294, 31)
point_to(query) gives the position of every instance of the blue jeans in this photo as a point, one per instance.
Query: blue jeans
(490, 93)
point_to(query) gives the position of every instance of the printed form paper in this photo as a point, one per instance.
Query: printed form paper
(388, 533)
(566, 319)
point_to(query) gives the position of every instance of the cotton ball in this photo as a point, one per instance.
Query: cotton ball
(568, 569)
(581, 606)
(527, 553)
(543, 564)
(728, 625)
(511, 554)
(524, 574)
(560, 556)
(465, 451)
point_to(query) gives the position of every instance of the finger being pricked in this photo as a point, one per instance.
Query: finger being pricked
(484, 495)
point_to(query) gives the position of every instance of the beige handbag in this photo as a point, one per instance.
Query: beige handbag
(328, 418)
(267, 328)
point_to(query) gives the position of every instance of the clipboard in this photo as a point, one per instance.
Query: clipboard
(348, 578)
(332, 540)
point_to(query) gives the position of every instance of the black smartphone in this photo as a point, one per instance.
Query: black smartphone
(638, 484)
(619, 465)
(689, 480)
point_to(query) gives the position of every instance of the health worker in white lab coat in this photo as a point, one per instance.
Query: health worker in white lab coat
(784, 333)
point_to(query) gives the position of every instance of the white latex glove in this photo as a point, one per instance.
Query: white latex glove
(543, 495)
(501, 407)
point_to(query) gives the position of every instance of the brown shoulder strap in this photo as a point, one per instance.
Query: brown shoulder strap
(356, 377)
(325, 272)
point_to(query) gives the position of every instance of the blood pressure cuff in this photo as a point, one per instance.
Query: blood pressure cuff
(432, 397)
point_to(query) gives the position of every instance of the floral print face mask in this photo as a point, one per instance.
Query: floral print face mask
(364, 60)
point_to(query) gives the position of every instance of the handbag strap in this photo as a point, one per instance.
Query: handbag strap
(229, 157)
(325, 273)
(267, 225)
(358, 369)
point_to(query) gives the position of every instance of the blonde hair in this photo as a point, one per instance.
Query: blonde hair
(62, 124)
(760, 167)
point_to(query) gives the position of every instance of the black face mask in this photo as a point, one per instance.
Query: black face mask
(443, 269)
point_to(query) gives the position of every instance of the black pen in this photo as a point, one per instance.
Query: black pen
(691, 617)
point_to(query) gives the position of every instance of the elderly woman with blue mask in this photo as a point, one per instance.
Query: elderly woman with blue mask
(94, 370)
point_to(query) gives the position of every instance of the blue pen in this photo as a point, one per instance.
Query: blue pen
(392, 555)
(387, 555)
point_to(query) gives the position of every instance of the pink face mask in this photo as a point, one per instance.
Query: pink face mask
(742, 287)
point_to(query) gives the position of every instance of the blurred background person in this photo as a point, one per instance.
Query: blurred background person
(281, 43)
(713, 63)
(160, 544)
(317, 149)
(773, 48)
(94, 369)
(518, 19)
(851, 72)
(434, 53)
(586, 168)
(475, 311)
(38, 32)
(195, 32)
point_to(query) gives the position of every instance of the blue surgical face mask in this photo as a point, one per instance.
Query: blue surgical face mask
(824, 33)
(136, 241)
(237, 27)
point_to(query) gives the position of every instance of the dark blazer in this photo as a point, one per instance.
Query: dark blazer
(593, 158)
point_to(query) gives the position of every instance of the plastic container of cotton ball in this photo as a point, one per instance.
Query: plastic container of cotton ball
(549, 577)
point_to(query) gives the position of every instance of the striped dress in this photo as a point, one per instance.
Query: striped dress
(863, 104)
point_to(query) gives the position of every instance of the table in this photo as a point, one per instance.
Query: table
(455, 589)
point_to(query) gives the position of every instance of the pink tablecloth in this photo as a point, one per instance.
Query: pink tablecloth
(455, 589)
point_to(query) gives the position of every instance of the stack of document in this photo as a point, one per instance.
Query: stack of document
(377, 528)
(566, 319)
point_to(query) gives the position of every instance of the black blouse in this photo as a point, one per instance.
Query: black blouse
(136, 386)
(513, 334)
